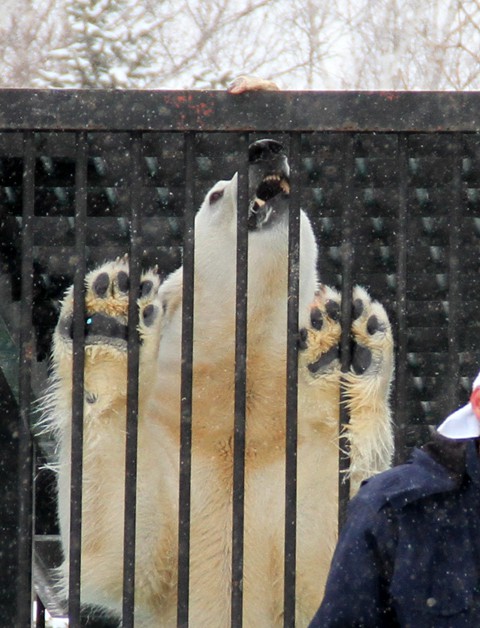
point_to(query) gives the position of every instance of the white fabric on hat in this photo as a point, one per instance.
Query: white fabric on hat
(461, 424)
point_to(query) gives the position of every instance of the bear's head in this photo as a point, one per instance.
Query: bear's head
(268, 233)
(268, 191)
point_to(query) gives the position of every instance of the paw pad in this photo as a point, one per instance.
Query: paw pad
(100, 285)
(149, 315)
(374, 325)
(316, 318)
(146, 288)
(361, 359)
(100, 325)
(333, 310)
(303, 339)
(324, 360)
(357, 308)
(123, 281)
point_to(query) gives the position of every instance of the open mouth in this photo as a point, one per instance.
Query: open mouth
(269, 176)
(261, 210)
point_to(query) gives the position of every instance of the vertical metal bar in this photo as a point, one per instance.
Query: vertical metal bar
(27, 350)
(186, 387)
(348, 220)
(454, 275)
(239, 435)
(401, 419)
(131, 444)
(291, 432)
(78, 365)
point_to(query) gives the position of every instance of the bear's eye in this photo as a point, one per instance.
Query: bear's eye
(215, 196)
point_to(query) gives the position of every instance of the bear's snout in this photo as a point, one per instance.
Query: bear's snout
(264, 150)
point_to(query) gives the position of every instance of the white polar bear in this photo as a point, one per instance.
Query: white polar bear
(160, 314)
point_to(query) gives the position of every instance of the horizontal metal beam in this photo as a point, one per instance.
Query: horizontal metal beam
(127, 110)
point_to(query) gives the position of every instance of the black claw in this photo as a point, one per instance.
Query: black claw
(149, 315)
(146, 287)
(374, 325)
(357, 309)
(123, 281)
(316, 318)
(333, 310)
(324, 360)
(302, 339)
(101, 284)
(361, 359)
(91, 397)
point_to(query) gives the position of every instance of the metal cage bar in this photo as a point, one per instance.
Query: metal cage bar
(240, 408)
(27, 350)
(291, 431)
(186, 387)
(78, 365)
(348, 221)
(401, 296)
(454, 292)
(133, 347)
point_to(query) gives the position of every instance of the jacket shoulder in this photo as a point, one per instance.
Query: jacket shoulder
(430, 470)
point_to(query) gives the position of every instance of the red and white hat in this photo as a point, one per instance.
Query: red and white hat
(465, 422)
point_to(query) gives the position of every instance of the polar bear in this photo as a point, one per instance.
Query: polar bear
(160, 329)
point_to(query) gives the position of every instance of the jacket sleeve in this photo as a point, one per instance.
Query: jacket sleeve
(357, 589)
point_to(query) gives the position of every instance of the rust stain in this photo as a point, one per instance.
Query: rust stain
(391, 96)
(203, 109)
(189, 110)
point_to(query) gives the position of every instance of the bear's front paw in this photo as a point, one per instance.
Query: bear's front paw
(371, 337)
(107, 293)
(366, 384)
(106, 307)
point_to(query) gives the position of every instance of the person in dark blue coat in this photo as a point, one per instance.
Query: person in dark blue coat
(409, 553)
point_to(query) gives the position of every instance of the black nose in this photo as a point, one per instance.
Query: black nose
(263, 150)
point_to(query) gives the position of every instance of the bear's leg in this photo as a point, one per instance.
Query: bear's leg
(104, 420)
(317, 450)
(365, 391)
